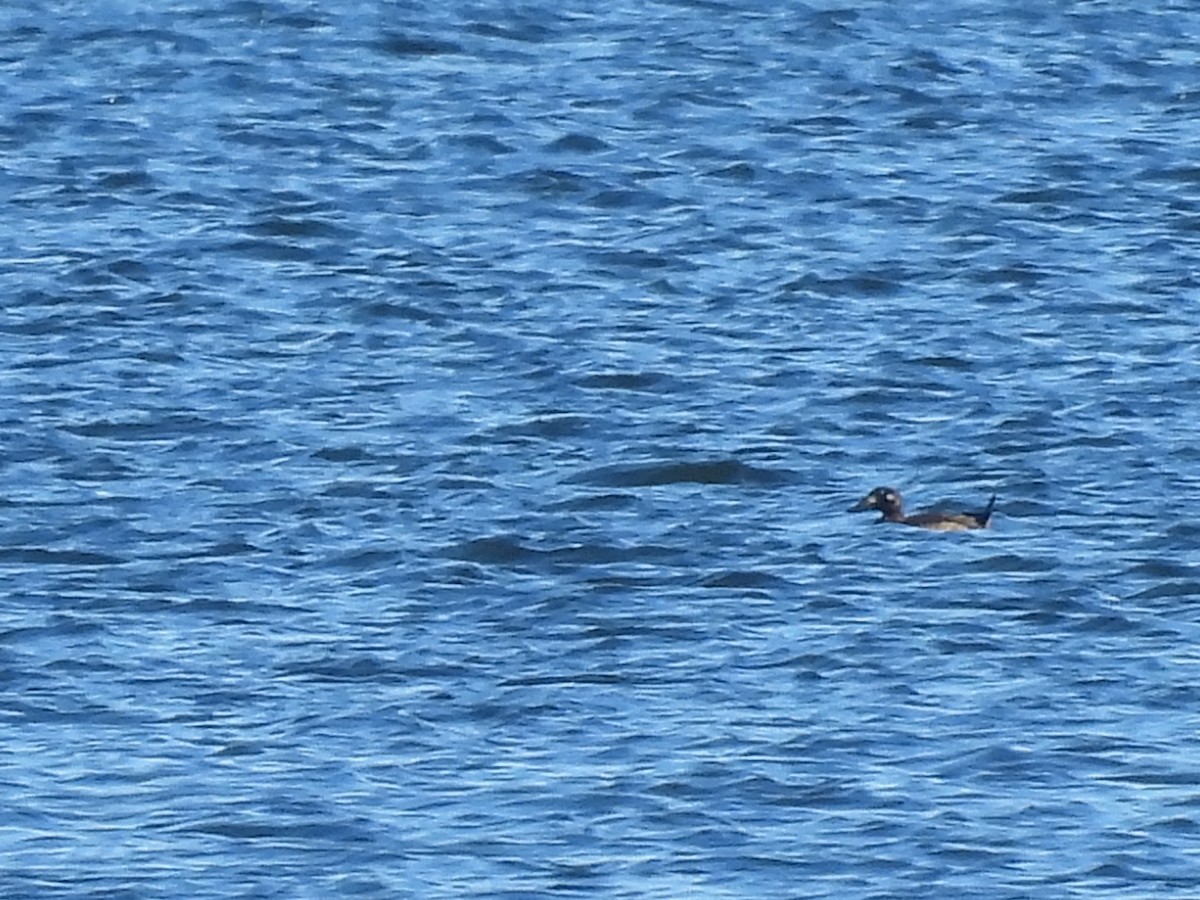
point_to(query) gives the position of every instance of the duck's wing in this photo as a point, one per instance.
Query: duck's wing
(936, 521)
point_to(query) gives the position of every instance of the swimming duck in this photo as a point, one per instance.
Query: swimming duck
(889, 502)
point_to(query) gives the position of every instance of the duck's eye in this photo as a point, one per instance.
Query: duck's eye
(889, 497)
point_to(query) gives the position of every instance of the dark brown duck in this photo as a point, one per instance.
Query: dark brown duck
(889, 502)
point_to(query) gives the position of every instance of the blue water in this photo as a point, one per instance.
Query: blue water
(428, 430)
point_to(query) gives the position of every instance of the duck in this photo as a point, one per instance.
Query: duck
(889, 502)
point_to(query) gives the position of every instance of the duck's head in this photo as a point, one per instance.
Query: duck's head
(885, 499)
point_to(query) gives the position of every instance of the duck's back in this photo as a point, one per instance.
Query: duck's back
(967, 521)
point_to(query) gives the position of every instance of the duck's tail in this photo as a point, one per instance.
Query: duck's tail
(985, 516)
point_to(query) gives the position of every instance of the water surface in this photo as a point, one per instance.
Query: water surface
(429, 430)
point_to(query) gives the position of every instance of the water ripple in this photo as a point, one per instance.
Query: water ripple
(429, 432)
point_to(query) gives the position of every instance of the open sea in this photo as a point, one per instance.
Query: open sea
(428, 430)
